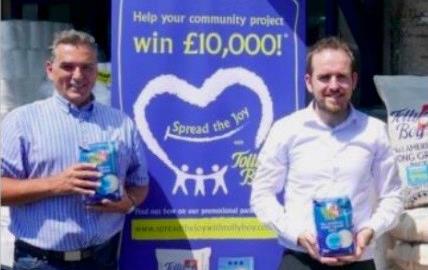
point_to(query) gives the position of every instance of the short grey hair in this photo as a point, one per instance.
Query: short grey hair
(73, 37)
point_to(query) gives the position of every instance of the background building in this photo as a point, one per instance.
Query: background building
(390, 37)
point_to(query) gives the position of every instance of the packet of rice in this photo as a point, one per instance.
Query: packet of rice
(104, 155)
(333, 221)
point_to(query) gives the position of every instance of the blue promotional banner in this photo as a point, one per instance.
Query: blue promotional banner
(204, 81)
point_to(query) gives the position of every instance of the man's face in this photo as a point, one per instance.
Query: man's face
(73, 72)
(331, 82)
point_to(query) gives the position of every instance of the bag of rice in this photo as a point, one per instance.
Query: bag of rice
(410, 255)
(333, 220)
(406, 100)
(186, 259)
(104, 155)
(413, 226)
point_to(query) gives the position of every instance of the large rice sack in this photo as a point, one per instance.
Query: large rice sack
(410, 256)
(413, 226)
(406, 100)
(410, 266)
(382, 245)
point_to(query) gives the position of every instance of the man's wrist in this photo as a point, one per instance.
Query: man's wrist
(133, 203)
(369, 234)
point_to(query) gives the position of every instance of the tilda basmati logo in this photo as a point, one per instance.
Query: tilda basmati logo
(409, 123)
(183, 259)
(423, 119)
(188, 264)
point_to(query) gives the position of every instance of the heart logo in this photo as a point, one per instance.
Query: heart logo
(211, 89)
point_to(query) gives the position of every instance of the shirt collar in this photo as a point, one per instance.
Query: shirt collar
(311, 118)
(69, 107)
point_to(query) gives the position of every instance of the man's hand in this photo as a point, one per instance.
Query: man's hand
(80, 178)
(109, 206)
(132, 197)
(362, 240)
(309, 243)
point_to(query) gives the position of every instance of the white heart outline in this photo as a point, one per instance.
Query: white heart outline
(210, 90)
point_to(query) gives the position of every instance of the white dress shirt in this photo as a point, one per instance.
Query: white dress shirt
(307, 159)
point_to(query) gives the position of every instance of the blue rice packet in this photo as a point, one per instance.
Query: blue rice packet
(104, 155)
(333, 221)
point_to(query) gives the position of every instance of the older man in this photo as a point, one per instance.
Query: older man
(45, 184)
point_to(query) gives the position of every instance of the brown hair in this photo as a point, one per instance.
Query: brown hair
(73, 37)
(332, 43)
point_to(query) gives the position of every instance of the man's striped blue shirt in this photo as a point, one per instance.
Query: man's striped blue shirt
(42, 139)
